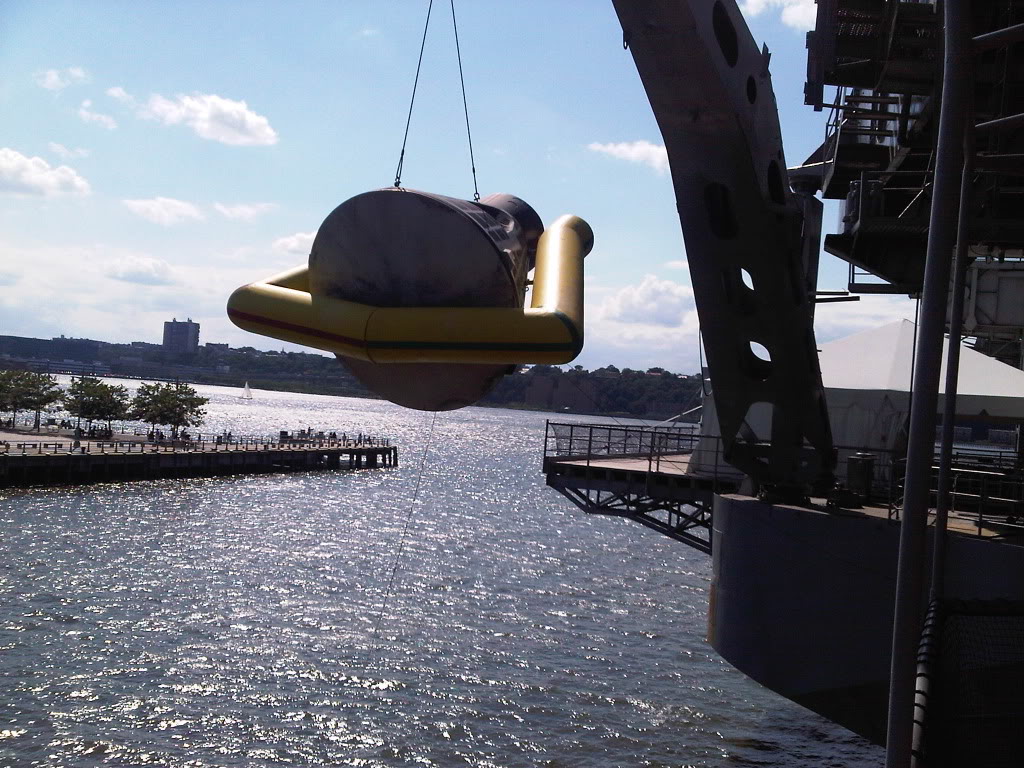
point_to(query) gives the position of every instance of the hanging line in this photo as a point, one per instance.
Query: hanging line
(700, 358)
(405, 531)
(465, 105)
(412, 99)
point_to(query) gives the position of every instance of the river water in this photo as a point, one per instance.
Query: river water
(239, 621)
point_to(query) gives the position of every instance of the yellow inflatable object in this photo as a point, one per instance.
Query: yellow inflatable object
(549, 331)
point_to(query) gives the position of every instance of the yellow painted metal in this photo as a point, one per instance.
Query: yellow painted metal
(558, 278)
(549, 331)
(296, 316)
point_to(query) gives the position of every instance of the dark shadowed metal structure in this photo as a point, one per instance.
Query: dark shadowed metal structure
(710, 89)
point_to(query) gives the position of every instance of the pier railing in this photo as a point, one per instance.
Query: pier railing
(50, 431)
(594, 440)
(46, 463)
(988, 482)
(207, 443)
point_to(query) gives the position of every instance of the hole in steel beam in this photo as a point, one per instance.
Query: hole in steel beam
(718, 203)
(760, 351)
(757, 362)
(725, 33)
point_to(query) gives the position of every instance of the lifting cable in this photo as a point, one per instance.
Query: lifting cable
(405, 531)
(412, 101)
(465, 106)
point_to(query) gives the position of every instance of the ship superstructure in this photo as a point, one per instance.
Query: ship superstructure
(857, 570)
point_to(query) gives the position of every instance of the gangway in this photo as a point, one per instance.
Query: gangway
(640, 473)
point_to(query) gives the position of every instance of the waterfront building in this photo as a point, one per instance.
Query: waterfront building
(181, 336)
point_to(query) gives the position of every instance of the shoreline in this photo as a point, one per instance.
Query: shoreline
(268, 386)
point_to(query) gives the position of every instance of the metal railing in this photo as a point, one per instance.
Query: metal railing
(50, 431)
(587, 441)
(988, 484)
(666, 450)
(193, 444)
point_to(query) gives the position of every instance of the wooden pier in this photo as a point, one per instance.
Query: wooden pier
(51, 463)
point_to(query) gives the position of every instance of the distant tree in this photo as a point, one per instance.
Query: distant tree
(175, 405)
(185, 407)
(27, 391)
(145, 406)
(94, 400)
(45, 392)
(113, 402)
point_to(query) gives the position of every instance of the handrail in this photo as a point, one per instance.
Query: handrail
(990, 495)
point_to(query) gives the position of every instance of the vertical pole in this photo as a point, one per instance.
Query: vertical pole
(956, 321)
(921, 442)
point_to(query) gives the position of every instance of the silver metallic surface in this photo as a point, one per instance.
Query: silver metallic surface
(402, 248)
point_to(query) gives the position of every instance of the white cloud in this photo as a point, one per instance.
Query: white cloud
(69, 288)
(652, 302)
(59, 79)
(212, 117)
(64, 152)
(840, 319)
(244, 211)
(369, 32)
(643, 152)
(85, 112)
(300, 242)
(799, 14)
(164, 210)
(653, 322)
(34, 176)
(144, 270)
(120, 94)
(677, 264)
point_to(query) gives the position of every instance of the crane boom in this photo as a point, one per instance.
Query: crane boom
(748, 236)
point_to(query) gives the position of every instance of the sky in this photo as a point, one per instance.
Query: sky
(154, 156)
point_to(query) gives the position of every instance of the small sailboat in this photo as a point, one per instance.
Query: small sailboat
(246, 392)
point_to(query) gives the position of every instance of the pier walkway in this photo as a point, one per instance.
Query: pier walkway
(33, 460)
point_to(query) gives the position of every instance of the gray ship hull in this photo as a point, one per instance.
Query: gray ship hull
(802, 601)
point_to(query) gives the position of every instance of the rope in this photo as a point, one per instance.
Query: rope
(412, 99)
(405, 531)
(465, 105)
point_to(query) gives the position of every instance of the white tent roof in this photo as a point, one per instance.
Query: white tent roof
(880, 360)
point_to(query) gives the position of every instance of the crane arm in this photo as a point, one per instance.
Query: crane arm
(710, 89)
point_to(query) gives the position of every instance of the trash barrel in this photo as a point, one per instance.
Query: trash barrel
(860, 474)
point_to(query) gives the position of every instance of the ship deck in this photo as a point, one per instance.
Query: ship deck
(667, 477)
(665, 465)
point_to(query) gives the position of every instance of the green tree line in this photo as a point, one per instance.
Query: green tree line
(87, 399)
(606, 390)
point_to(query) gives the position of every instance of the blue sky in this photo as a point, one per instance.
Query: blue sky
(154, 156)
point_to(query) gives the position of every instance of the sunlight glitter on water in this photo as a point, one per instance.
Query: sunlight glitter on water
(234, 621)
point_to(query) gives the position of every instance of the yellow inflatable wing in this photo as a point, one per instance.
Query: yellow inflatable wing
(549, 331)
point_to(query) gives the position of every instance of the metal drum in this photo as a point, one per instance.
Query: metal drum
(403, 248)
